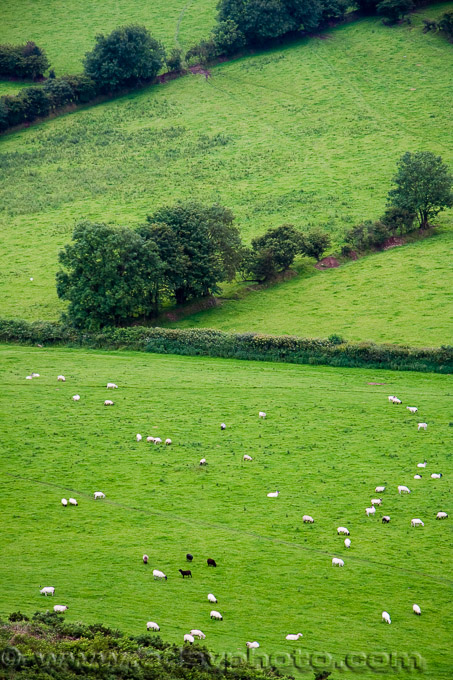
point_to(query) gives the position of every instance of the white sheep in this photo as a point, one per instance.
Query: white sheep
(422, 426)
(189, 638)
(370, 511)
(308, 519)
(421, 465)
(386, 617)
(48, 590)
(112, 386)
(403, 489)
(167, 442)
(212, 598)
(157, 440)
(108, 402)
(151, 625)
(247, 458)
(61, 378)
(150, 439)
(198, 634)
(417, 523)
(293, 637)
(417, 476)
(76, 397)
(436, 475)
(416, 609)
(35, 375)
(441, 515)
(336, 562)
(347, 542)
(98, 494)
(380, 489)
(391, 397)
(159, 574)
(203, 461)
(138, 437)
(261, 414)
(64, 502)
(60, 608)
(72, 501)
(376, 501)
(216, 615)
(386, 519)
(253, 645)
(28, 377)
(412, 409)
(343, 530)
(273, 494)
(222, 426)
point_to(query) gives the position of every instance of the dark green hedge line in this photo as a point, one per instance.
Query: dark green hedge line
(252, 346)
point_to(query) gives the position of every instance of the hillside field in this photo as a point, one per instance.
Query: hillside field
(330, 437)
(309, 133)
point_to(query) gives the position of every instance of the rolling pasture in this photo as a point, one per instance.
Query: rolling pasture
(309, 133)
(329, 438)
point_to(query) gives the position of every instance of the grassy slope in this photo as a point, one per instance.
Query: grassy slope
(67, 30)
(402, 295)
(309, 133)
(330, 437)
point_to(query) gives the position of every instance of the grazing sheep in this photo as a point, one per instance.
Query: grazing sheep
(421, 465)
(391, 397)
(76, 397)
(185, 572)
(189, 638)
(386, 519)
(403, 489)
(48, 590)
(61, 378)
(72, 501)
(98, 494)
(60, 608)
(336, 562)
(417, 523)
(189, 557)
(247, 458)
(203, 461)
(343, 530)
(152, 626)
(273, 494)
(157, 440)
(150, 439)
(35, 375)
(347, 542)
(370, 511)
(108, 402)
(412, 409)
(138, 437)
(416, 609)
(167, 442)
(386, 617)
(261, 414)
(294, 637)
(308, 519)
(216, 615)
(417, 476)
(222, 426)
(159, 574)
(211, 562)
(64, 502)
(380, 489)
(112, 386)
(198, 634)
(253, 645)
(441, 515)
(212, 598)
(422, 426)
(376, 501)
(436, 475)
(145, 559)
(396, 401)
(28, 377)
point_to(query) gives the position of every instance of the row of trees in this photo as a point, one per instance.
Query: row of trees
(23, 61)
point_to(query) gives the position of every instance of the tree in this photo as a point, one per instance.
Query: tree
(314, 243)
(111, 275)
(394, 10)
(199, 245)
(227, 37)
(423, 186)
(128, 55)
(275, 251)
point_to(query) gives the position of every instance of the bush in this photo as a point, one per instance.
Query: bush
(398, 220)
(84, 88)
(35, 103)
(174, 60)
(315, 243)
(23, 61)
(446, 24)
(274, 251)
(127, 56)
(367, 235)
(334, 10)
(394, 10)
(59, 92)
(227, 37)
(204, 52)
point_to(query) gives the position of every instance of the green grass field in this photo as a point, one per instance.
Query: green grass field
(402, 295)
(329, 439)
(309, 133)
(67, 30)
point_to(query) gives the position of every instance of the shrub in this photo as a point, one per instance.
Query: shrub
(446, 24)
(204, 52)
(59, 92)
(334, 10)
(23, 61)
(174, 60)
(227, 37)
(394, 10)
(315, 243)
(84, 88)
(397, 219)
(35, 103)
(274, 251)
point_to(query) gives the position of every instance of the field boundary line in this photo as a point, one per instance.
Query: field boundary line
(221, 527)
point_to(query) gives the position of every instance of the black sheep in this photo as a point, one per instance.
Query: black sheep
(211, 562)
(185, 572)
(189, 557)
